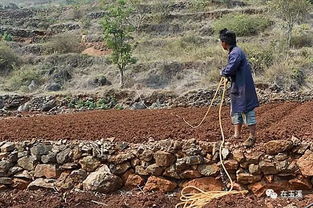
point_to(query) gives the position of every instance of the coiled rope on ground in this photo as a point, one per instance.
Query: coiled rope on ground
(201, 198)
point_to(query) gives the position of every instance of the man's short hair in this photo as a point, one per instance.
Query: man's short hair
(228, 37)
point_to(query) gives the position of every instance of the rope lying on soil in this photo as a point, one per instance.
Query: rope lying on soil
(207, 113)
(201, 198)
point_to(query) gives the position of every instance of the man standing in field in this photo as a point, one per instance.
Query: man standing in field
(242, 93)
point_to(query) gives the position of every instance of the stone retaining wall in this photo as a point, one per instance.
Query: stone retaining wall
(13, 104)
(107, 166)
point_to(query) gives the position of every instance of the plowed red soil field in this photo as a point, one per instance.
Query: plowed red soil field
(47, 199)
(275, 121)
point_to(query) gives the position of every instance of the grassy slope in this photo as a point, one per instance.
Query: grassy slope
(177, 50)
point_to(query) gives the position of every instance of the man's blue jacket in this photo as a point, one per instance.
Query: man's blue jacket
(242, 94)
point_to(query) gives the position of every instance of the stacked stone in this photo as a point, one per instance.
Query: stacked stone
(129, 99)
(107, 166)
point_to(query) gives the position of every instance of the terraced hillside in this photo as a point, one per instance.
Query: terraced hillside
(61, 48)
(134, 150)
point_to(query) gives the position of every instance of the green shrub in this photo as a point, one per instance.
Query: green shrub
(304, 40)
(106, 103)
(290, 12)
(192, 40)
(302, 36)
(119, 107)
(64, 43)
(242, 24)
(298, 76)
(7, 37)
(260, 57)
(8, 59)
(288, 73)
(199, 5)
(23, 77)
(103, 103)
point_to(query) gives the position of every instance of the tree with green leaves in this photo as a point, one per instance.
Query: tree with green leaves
(290, 11)
(118, 35)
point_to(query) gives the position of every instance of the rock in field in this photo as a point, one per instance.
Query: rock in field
(277, 146)
(159, 184)
(164, 159)
(41, 183)
(305, 163)
(4, 167)
(7, 147)
(5, 180)
(89, 163)
(28, 163)
(205, 184)
(208, 170)
(133, 181)
(40, 149)
(268, 167)
(102, 181)
(247, 178)
(19, 183)
(64, 156)
(45, 170)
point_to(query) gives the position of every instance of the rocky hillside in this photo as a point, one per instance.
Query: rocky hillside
(58, 46)
(32, 3)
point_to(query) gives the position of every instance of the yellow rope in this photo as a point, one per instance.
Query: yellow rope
(202, 198)
(206, 114)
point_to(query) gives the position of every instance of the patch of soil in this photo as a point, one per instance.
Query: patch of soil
(48, 199)
(95, 52)
(275, 121)
(251, 201)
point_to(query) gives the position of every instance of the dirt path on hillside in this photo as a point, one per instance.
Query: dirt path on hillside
(275, 121)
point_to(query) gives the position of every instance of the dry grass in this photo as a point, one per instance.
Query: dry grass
(20, 79)
(260, 56)
(292, 71)
(242, 24)
(188, 45)
(8, 59)
(64, 43)
(189, 48)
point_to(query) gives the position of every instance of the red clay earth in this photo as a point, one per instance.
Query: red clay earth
(47, 199)
(275, 121)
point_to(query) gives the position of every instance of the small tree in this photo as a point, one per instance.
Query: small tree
(291, 11)
(117, 35)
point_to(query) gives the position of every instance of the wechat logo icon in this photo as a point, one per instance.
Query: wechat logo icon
(271, 193)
